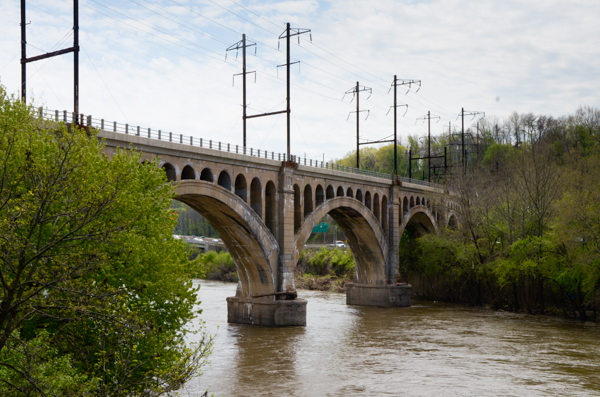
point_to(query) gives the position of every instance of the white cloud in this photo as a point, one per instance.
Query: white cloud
(537, 56)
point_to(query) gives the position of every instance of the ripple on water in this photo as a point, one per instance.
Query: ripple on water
(428, 349)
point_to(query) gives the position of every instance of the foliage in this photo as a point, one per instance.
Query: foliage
(378, 159)
(87, 255)
(335, 262)
(35, 366)
(218, 266)
(191, 223)
(529, 221)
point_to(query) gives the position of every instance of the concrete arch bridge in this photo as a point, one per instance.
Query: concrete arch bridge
(264, 207)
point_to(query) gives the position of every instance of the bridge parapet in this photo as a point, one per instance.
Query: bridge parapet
(189, 140)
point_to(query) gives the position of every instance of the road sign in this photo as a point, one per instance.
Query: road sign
(321, 228)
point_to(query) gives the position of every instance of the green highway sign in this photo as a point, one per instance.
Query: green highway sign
(321, 228)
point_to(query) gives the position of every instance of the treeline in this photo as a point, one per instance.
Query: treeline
(529, 238)
(191, 223)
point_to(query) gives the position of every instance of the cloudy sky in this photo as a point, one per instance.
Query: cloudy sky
(161, 64)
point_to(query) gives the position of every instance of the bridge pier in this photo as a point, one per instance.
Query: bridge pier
(388, 295)
(275, 313)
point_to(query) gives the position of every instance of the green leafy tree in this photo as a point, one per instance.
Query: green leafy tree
(87, 255)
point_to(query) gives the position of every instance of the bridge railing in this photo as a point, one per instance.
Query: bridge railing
(88, 120)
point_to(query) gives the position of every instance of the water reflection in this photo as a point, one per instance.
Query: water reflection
(265, 355)
(428, 349)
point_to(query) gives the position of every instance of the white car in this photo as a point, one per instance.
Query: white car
(340, 244)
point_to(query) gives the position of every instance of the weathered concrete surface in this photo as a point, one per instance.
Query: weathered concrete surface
(253, 248)
(274, 313)
(390, 295)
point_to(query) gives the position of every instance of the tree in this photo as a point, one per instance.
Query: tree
(87, 256)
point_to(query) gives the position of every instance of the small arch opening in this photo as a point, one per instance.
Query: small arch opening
(453, 222)
(329, 193)
(241, 189)
(319, 195)
(418, 201)
(270, 206)
(256, 196)
(297, 209)
(376, 208)
(412, 202)
(224, 180)
(170, 171)
(308, 200)
(405, 207)
(188, 173)
(359, 195)
(368, 200)
(207, 175)
(350, 193)
(340, 192)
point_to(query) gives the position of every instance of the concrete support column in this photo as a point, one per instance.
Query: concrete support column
(286, 228)
(276, 310)
(394, 233)
(391, 294)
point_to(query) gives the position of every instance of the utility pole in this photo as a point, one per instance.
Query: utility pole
(287, 72)
(464, 158)
(287, 34)
(76, 56)
(23, 54)
(400, 82)
(409, 164)
(355, 91)
(397, 82)
(477, 142)
(462, 114)
(428, 117)
(74, 50)
(243, 45)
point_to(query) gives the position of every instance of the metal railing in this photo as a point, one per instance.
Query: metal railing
(88, 120)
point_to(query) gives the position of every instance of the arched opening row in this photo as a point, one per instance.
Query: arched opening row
(304, 202)
(410, 203)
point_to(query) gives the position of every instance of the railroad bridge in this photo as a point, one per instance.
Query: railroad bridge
(264, 206)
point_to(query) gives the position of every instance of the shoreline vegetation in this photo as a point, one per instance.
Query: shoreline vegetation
(318, 269)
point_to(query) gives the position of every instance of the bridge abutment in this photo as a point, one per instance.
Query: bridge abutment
(388, 295)
(275, 313)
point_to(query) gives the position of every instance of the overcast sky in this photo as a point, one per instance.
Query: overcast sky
(161, 64)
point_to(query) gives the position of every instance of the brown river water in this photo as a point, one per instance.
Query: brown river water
(429, 349)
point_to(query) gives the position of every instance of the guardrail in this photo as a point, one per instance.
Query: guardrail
(88, 120)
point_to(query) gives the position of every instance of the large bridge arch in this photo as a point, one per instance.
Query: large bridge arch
(365, 236)
(253, 248)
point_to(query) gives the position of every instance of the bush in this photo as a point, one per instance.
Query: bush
(218, 266)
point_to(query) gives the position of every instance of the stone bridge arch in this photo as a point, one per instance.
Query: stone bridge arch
(420, 219)
(365, 236)
(253, 248)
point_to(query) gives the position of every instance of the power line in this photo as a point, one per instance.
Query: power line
(156, 29)
(179, 23)
(239, 16)
(247, 9)
(103, 82)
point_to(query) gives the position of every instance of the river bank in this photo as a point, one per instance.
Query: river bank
(317, 269)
